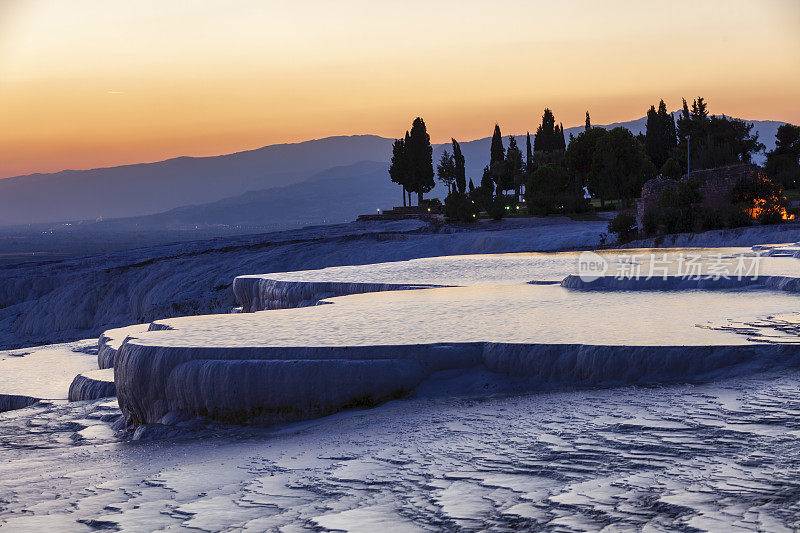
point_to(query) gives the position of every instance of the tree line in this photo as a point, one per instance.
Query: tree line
(553, 174)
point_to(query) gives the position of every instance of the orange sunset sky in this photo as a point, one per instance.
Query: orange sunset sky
(88, 83)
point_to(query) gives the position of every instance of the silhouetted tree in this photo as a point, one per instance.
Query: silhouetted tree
(685, 112)
(529, 164)
(406, 144)
(660, 139)
(588, 125)
(497, 157)
(561, 143)
(497, 151)
(715, 141)
(758, 196)
(671, 169)
(580, 157)
(652, 137)
(460, 167)
(487, 181)
(700, 108)
(514, 168)
(783, 163)
(667, 127)
(621, 165)
(420, 160)
(398, 169)
(446, 170)
(545, 139)
(547, 188)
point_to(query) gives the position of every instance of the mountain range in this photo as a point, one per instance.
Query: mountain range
(280, 186)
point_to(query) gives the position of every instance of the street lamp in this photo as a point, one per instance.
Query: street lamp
(689, 155)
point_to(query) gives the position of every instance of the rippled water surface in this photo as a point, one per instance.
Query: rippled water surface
(515, 314)
(514, 269)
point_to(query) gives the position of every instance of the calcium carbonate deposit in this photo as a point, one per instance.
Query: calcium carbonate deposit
(464, 392)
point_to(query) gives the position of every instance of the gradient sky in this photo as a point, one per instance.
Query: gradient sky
(88, 83)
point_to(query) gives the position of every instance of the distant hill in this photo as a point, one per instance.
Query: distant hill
(335, 195)
(265, 187)
(147, 188)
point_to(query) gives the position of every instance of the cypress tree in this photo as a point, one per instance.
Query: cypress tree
(669, 136)
(528, 154)
(562, 145)
(660, 137)
(588, 123)
(497, 150)
(420, 159)
(407, 144)
(398, 170)
(497, 160)
(487, 183)
(653, 138)
(545, 139)
(460, 168)
(512, 169)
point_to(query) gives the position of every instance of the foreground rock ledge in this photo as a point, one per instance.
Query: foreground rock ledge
(276, 384)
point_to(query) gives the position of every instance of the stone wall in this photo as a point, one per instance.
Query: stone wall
(715, 186)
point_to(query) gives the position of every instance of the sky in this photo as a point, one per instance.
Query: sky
(90, 83)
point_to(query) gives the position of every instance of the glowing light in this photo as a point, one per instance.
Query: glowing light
(761, 205)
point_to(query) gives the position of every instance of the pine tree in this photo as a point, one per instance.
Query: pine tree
(460, 167)
(714, 140)
(420, 159)
(588, 123)
(699, 109)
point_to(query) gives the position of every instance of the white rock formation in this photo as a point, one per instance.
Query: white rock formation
(79, 298)
(675, 283)
(92, 385)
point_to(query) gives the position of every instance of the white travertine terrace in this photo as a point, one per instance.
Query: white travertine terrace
(296, 363)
